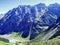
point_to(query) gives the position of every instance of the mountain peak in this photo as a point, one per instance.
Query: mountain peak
(25, 18)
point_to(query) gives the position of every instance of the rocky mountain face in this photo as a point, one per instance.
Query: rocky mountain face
(28, 19)
(1, 16)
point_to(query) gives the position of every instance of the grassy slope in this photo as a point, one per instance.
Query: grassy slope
(55, 41)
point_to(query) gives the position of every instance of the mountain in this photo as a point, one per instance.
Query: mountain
(1, 16)
(28, 19)
(54, 9)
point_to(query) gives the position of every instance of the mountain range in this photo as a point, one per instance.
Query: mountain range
(31, 20)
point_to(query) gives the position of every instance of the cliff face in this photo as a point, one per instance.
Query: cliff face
(33, 19)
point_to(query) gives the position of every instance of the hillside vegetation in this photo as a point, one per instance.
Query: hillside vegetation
(55, 41)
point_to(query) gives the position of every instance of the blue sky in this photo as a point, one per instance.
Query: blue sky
(6, 5)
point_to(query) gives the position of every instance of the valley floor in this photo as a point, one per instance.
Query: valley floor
(54, 41)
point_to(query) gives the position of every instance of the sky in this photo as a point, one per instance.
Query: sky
(6, 5)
